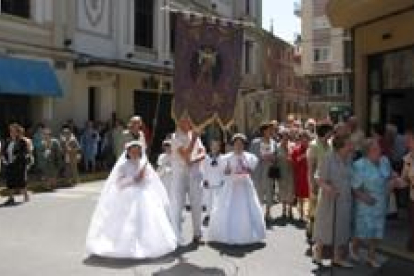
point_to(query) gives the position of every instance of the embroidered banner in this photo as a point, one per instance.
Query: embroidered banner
(207, 70)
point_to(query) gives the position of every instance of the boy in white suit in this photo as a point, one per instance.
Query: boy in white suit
(213, 177)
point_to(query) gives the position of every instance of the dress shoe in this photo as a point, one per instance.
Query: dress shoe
(342, 264)
(197, 240)
(9, 202)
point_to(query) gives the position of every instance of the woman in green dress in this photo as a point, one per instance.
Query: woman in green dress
(50, 158)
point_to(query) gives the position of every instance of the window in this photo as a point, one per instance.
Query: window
(315, 87)
(248, 48)
(92, 91)
(321, 54)
(289, 81)
(247, 7)
(173, 21)
(320, 23)
(144, 23)
(345, 85)
(339, 86)
(348, 52)
(324, 87)
(19, 8)
(319, 87)
(331, 86)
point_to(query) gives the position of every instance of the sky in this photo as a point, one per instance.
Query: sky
(285, 23)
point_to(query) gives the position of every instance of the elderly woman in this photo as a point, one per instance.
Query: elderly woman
(265, 149)
(71, 154)
(50, 158)
(14, 158)
(318, 148)
(371, 188)
(408, 177)
(286, 183)
(333, 213)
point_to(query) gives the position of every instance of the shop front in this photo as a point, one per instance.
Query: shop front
(391, 87)
(383, 58)
(383, 55)
(25, 89)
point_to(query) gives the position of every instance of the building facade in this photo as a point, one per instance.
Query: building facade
(111, 58)
(383, 58)
(326, 62)
(285, 81)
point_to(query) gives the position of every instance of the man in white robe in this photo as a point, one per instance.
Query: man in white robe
(187, 154)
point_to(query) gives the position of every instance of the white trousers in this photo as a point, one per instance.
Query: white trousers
(184, 182)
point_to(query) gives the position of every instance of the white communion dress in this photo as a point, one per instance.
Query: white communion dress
(131, 219)
(165, 171)
(237, 217)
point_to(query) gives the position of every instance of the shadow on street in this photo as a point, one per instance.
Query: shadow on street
(184, 268)
(119, 263)
(97, 261)
(237, 251)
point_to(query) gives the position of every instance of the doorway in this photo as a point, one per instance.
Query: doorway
(145, 105)
(396, 108)
(92, 103)
(14, 109)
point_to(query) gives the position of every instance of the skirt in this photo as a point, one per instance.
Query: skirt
(15, 176)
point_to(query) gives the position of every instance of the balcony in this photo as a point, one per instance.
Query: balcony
(297, 9)
(346, 14)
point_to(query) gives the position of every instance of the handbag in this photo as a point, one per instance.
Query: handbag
(274, 172)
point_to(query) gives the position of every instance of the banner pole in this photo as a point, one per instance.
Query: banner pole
(213, 17)
(157, 108)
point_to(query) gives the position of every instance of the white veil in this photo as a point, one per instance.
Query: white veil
(109, 197)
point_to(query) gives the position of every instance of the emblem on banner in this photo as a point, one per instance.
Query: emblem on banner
(207, 70)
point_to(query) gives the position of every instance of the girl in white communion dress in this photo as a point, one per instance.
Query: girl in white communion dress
(237, 216)
(132, 219)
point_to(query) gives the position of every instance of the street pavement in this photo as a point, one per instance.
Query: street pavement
(46, 237)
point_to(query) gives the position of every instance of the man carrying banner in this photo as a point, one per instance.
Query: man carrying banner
(206, 81)
(187, 154)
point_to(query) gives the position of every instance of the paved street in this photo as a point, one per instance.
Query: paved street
(46, 237)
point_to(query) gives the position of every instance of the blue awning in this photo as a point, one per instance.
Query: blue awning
(28, 77)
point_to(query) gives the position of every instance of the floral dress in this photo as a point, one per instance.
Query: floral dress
(369, 221)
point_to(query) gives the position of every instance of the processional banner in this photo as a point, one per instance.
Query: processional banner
(207, 70)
